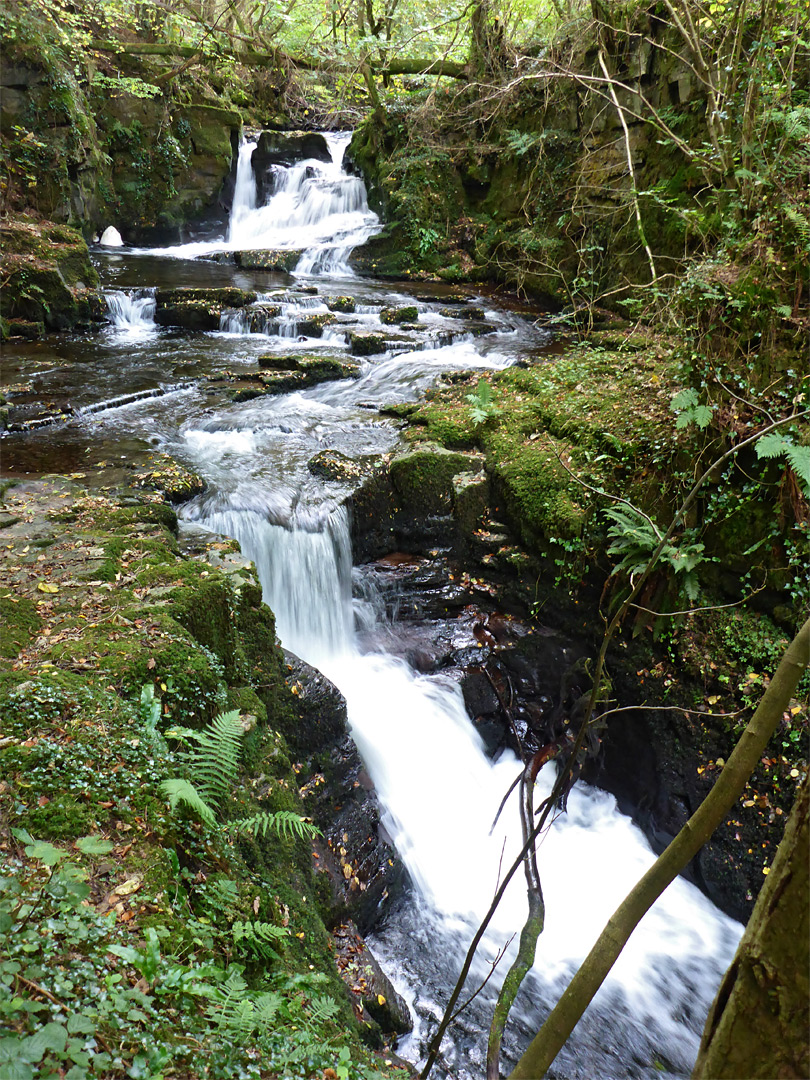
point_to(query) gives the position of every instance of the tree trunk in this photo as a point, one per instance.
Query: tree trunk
(759, 1022)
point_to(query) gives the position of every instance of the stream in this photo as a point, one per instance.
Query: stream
(438, 788)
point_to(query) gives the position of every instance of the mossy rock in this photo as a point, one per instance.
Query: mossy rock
(367, 344)
(229, 296)
(344, 304)
(392, 316)
(173, 480)
(423, 479)
(280, 261)
(200, 315)
(462, 312)
(335, 466)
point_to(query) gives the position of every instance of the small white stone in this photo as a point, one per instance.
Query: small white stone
(111, 237)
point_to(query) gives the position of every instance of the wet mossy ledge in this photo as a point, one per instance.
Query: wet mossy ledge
(145, 936)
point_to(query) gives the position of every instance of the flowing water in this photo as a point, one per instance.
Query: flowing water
(136, 388)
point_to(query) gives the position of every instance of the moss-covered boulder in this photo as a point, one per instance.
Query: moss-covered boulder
(230, 296)
(344, 304)
(364, 344)
(49, 280)
(391, 316)
(423, 479)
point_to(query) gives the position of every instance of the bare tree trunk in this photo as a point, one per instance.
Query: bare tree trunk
(758, 1024)
(569, 1009)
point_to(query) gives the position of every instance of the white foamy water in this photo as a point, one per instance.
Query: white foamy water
(440, 794)
(315, 207)
(132, 311)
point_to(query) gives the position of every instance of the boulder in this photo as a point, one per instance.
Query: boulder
(284, 148)
(391, 316)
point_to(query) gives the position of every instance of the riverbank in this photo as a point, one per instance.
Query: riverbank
(152, 933)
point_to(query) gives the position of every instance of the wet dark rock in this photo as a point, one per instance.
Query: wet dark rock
(369, 986)
(356, 853)
(284, 148)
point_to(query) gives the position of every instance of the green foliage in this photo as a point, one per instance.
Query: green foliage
(258, 937)
(133, 86)
(776, 445)
(482, 403)
(177, 791)
(284, 823)
(685, 404)
(214, 761)
(635, 538)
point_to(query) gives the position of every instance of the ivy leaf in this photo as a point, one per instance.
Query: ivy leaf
(94, 845)
(50, 1037)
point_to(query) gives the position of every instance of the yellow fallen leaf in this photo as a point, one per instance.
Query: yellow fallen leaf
(380, 999)
(46, 586)
(766, 869)
(795, 710)
(713, 699)
(347, 871)
(130, 886)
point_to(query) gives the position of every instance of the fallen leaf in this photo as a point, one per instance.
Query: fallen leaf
(47, 587)
(130, 886)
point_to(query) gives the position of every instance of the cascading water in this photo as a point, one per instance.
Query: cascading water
(132, 310)
(438, 789)
(315, 207)
(441, 793)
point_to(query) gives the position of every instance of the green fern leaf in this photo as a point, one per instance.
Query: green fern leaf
(323, 1008)
(258, 937)
(214, 761)
(181, 791)
(285, 823)
(799, 458)
(770, 446)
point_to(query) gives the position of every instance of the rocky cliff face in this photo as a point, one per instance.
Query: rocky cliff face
(532, 187)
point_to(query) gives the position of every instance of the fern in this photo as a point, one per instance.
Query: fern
(258, 937)
(285, 823)
(776, 445)
(181, 791)
(214, 761)
(234, 1010)
(323, 1008)
(635, 539)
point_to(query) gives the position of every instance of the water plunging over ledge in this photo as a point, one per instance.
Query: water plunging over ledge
(438, 789)
(315, 207)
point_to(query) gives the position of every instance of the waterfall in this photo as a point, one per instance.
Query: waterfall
(244, 192)
(440, 794)
(315, 207)
(131, 310)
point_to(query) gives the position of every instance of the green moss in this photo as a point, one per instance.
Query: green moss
(19, 623)
(424, 479)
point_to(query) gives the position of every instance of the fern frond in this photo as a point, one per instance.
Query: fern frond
(234, 1010)
(214, 761)
(284, 823)
(181, 791)
(258, 937)
(323, 1008)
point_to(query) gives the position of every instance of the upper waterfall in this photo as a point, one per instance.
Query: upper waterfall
(313, 207)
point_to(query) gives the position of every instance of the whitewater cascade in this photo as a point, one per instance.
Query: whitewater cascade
(438, 789)
(315, 208)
